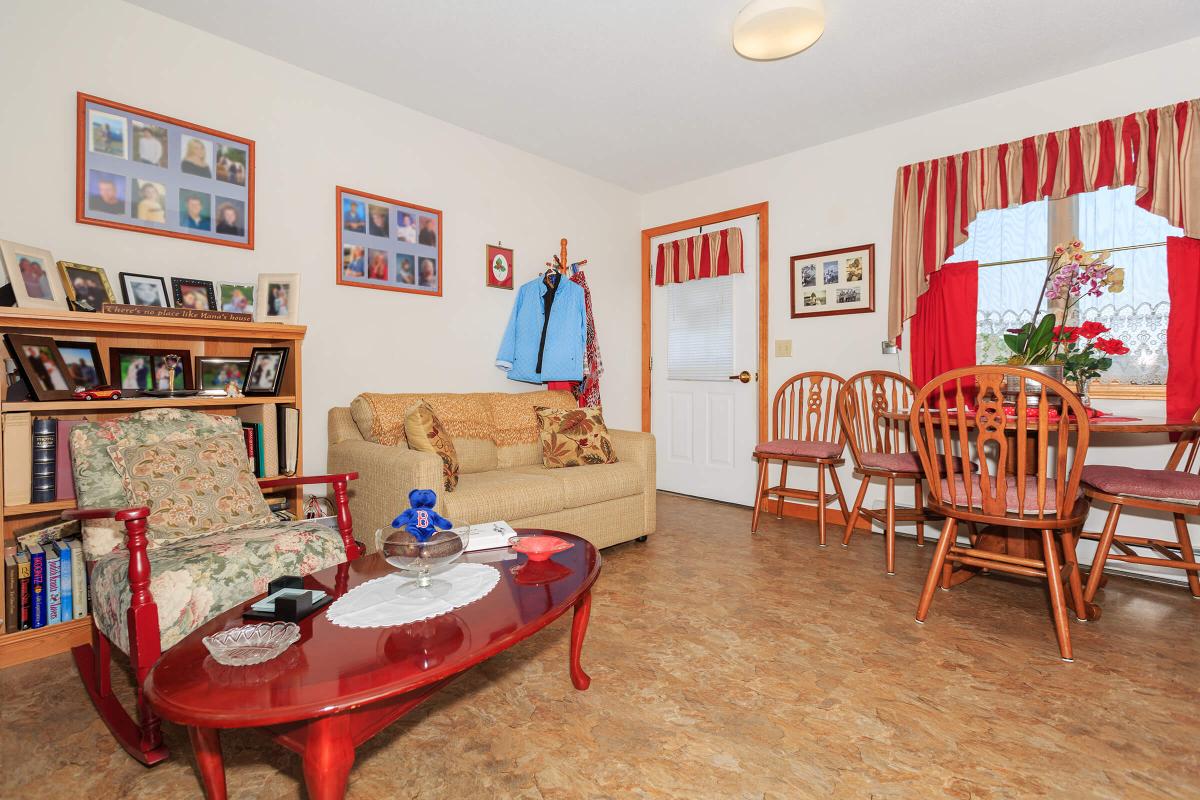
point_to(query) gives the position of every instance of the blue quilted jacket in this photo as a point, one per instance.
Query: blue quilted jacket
(562, 357)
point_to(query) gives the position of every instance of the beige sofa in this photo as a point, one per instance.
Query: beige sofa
(501, 474)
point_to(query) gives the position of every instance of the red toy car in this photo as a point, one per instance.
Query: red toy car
(98, 393)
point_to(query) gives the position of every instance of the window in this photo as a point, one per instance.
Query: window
(700, 330)
(1107, 218)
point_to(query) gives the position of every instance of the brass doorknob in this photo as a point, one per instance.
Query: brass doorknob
(742, 376)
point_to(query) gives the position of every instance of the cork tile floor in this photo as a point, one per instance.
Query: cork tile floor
(727, 665)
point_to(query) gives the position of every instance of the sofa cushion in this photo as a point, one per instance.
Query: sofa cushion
(426, 433)
(594, 483)
(467, 418)
(98, 484)
(192, 487)
(574, 437)
(1172, 486)
(192, 581)
(501, 495)
(515, 430)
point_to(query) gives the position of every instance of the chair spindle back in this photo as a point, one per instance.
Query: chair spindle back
(805, 408)
(862, 402)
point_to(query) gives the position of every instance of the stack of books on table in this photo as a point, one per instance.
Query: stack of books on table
(45, 583)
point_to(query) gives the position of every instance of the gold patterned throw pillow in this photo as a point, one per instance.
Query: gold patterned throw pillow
(425, 432)
(193, 487)
(574, 437)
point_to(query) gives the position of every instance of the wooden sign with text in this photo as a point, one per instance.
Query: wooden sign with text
(187, 313)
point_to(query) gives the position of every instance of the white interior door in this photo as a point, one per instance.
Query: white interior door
(703, 332)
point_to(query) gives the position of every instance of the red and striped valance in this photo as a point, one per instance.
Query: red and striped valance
(1156, 150)
(708, 255)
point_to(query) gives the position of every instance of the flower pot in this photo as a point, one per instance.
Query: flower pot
(1012, 385)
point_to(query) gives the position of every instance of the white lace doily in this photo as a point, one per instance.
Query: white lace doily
(375, 604)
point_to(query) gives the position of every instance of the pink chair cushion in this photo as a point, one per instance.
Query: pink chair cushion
(792, 448)
(1012, 501)
(1152, 484)
(900, 462)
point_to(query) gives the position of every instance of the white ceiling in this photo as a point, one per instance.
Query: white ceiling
(649, 93)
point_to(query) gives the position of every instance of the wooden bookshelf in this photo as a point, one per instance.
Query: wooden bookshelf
(198, 338)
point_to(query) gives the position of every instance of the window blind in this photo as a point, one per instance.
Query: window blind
(700, 330)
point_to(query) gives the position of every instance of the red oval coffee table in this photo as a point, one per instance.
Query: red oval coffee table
(338, 687)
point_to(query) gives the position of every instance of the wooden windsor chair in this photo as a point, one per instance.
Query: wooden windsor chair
(804, 430)
(1030, 461)
(1175, 490)
(881, 448)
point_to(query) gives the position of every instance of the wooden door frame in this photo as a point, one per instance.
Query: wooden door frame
(760, 209)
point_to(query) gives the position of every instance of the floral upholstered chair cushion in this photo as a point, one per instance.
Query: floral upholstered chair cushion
(425, 432)
(574, 437)
(97, 482)
(194, 580)
(192, 486)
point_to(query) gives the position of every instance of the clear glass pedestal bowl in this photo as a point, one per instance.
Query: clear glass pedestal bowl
(422, 560)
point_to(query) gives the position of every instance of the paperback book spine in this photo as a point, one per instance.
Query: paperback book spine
(45, 456)
(37, 587)
(66, 587)
(79, 595)
(23, 596)
(53, 586)
(12, 609)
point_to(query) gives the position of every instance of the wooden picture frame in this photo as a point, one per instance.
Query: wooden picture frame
(87, 288)
(130, 293)
(31, 273)
(184, 288)
(833, 282)
(411, 241)
(41, 366)
(136, 170)
(499, 266)
(267, 382)
(76, 376)
(278, 297)
(216, 387)
(150, 380)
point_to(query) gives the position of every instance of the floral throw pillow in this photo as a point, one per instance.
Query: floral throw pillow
(193, 487)
(574, 437)
(426, 433)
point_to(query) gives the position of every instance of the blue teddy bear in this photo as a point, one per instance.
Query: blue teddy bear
(421, 520)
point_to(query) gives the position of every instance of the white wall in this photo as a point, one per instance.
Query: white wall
(312, 134)
(840, 194)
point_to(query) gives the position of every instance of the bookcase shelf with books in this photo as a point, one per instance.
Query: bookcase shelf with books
(20, 515)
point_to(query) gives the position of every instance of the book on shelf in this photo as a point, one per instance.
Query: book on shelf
(45, 456)
(23, 592)
(289, 439)
(79, 592)
(12, 602)
(251, 446)
(18, 458)
(53, 585)
(37, 587)
(43, 534)
(66, 591)
(64, 476)
(266, 435)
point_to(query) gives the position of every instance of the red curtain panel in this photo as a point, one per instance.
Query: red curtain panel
(1183, 327)
(943, 329)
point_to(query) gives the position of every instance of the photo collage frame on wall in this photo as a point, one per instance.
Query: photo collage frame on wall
(388, 244)
(834, 282)
(141, 171)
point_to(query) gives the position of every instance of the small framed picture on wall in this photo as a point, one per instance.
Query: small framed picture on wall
(141, 171)
(499, 267)
(388, 244)
(834, 282)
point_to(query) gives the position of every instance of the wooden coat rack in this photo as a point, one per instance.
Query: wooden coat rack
(560, 263)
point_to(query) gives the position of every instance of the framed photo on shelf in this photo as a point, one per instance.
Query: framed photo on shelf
(278, 297)
(144, 290)
(499, 267)
(146, 369)
(388, 244)
(30, 271)
(195, 294)
(141, 171)
(237, 298)
(41, 366)
(264, 376)
(214, 373)
(834, 282)
(87, 288)
(84, 366)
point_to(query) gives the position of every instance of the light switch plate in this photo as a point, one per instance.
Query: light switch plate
(783, 348)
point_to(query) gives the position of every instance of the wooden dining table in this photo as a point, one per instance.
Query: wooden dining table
(1027, 543)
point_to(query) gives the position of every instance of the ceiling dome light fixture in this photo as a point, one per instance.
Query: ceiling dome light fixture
(769, 29)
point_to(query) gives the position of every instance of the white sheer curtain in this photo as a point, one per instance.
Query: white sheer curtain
(1138, 315)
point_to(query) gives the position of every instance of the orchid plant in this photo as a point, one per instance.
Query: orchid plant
(1073, 274)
